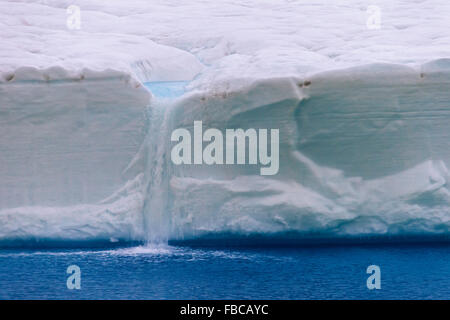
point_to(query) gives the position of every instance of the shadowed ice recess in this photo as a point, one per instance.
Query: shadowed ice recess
(364, 154)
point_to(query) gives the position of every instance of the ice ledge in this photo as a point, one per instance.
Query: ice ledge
(55, 74)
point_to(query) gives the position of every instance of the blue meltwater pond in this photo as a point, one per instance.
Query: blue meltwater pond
(173, 272)
(166, 89)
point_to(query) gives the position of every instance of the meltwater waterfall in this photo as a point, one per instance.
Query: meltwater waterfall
(157, 219)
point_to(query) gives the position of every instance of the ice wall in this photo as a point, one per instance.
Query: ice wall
(364, 152)
(68, 144)
(68, 141)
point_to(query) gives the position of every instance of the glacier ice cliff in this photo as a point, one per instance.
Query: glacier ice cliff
(363, 117)
(67, 145)
(364, 151)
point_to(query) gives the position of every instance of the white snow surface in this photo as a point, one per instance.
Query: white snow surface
(363, 117)
(174, 40)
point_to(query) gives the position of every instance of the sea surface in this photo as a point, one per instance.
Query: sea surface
(408, 271)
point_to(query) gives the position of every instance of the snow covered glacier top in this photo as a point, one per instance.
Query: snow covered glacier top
(162, 40)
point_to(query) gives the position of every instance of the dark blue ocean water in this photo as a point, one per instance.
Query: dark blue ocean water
(175, 272)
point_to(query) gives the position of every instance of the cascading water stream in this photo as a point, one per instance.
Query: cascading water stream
(157, 222)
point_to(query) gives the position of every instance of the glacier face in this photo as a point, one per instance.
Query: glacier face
(67, 148)
(364, 151)
(363, 118)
